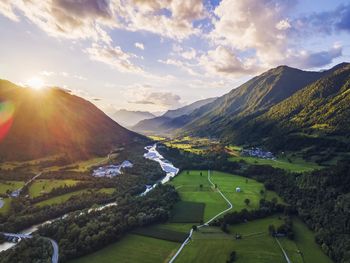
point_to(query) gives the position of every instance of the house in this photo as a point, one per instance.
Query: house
(238, 189)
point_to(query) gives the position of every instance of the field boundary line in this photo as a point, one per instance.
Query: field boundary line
(205, 224)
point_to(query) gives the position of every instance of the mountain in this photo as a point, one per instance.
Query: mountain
(316, 115)
(128, 118)
(163, 123)
(283, 108)
(38, 123)
(251, 98)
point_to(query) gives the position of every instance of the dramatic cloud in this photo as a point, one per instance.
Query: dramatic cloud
(65, 18)
(168, 18)
(223, 61)
(240, 24)
(113, 56)
(139, 46)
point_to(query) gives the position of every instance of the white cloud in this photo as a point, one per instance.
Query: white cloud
(113, 56)
(148, 95)
(139, 45)
(223, 61)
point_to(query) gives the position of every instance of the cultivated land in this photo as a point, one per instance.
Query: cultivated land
(63, 198)
(256, 246)
(132, 249)
(188, 183)
(41, 186)
(210, 244)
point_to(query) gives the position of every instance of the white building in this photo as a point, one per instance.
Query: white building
(238, 189)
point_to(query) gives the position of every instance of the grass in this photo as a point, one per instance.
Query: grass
(187, 212)
(297, 164)
(65, 197)
(161, 233)
(132, 249)
(41, 186)
(10, 186)
(210, 244)
(304, 239)
(188, 186)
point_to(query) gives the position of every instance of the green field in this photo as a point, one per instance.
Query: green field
(188, 186)
(297, 164)
(162, 233)
(133, 249)
(210, 244)
(187, 212)
(10, 186)
(41, 186)
(63, 198)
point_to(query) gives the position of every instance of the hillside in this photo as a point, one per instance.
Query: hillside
(283, 109)
(170, 120)
(128, 118)
(316, 115)
(52, 121)
(253, 97)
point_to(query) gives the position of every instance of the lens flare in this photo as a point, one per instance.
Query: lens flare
(7, 110)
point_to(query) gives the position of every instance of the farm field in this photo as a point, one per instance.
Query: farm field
(132, 249)
(40, 186)
(63, 198)
(10, 186)
(188, 184)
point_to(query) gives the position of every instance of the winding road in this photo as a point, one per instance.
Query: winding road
(205, 224)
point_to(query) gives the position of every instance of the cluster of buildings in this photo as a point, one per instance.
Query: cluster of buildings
(111, 170)
(258, 153)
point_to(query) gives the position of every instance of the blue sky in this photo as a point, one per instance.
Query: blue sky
(161, 54)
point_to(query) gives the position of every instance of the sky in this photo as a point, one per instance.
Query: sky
(157, 55)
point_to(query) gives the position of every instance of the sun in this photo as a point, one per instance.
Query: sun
(36, 83)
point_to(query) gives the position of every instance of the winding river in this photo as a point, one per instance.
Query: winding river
(151, 154)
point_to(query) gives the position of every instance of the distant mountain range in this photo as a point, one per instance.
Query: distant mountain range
(52, 121)
(283, 108)
(168, 121)
(128, 118)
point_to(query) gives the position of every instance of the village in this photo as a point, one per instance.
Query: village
(258, 153)
(111, 170)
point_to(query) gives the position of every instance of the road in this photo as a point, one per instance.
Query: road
(205, 224)
(284, 252)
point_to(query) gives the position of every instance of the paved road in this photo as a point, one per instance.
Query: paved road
(205, 224)
(16, 235)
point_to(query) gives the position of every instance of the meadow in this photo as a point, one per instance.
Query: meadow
(6, 186)
(193, 186)
(132, 249)
(41, 186)
(65, 197)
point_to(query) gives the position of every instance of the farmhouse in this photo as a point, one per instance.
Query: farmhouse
(238, 189)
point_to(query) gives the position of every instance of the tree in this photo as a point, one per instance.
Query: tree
(201, 186)
(201, 174)
(188, 172)
(262, 192)
(194, 228)
(247, 201)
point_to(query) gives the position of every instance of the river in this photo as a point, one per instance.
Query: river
(151, 154)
